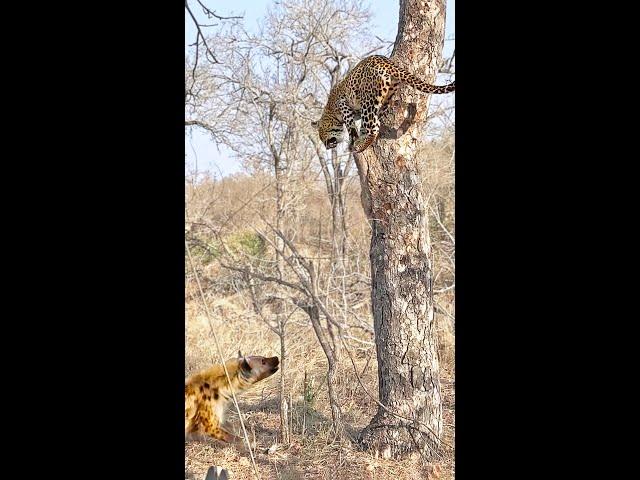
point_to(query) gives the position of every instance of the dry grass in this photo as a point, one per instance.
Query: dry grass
(313, 453)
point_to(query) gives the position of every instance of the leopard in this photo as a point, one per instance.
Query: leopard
(365, 93)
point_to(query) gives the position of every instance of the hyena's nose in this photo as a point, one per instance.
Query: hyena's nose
(273, 362)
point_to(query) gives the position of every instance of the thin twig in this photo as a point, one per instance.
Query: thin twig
(199, 35)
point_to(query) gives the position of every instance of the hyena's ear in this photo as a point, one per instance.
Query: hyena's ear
(244, 364)
(240, 354)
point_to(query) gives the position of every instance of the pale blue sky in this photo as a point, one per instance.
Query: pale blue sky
(198, 145)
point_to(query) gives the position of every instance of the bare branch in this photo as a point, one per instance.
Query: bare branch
(198, 123)
(211, 57)
(266, 278)
(211, 13)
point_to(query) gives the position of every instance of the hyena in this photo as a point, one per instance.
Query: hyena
(207, 393)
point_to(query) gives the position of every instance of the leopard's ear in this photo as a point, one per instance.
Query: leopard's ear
(315, 123)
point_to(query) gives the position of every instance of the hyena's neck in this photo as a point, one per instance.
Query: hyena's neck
(239, 383)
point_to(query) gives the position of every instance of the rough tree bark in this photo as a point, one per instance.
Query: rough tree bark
(400, 254)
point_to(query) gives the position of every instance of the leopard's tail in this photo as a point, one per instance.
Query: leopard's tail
(419, 84)
(425, 87)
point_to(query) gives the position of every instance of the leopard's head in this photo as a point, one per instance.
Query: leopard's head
(330, 131)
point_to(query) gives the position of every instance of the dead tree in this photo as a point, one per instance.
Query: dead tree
(400, 252)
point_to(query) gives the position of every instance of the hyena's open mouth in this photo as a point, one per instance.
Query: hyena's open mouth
(274, 362)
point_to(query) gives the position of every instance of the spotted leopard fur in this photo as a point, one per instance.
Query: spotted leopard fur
(365, 92)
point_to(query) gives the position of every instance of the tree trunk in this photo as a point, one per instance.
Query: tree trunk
(338, 226)
(279, 243)
(400, 254)
(334, 180)
(336, 413)
(284, 419)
